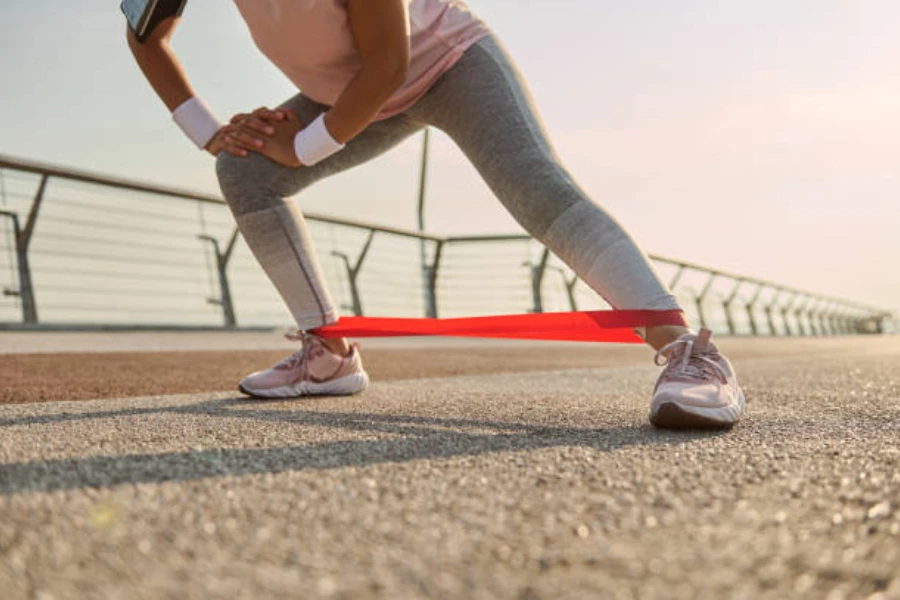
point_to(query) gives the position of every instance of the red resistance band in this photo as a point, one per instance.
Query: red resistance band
(595, 326)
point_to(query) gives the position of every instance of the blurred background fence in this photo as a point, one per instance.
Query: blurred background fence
(80, 250)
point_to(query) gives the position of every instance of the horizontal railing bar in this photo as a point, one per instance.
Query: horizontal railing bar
(383, 283)
(155, 277)
(386, 275)
(19, 195)
(495, 258)
(118, 243)
(451, 299)
(105, 209)
(466, 274)
(40, 168)
(118, 259)
(372, 227)
(118, 308)
(168, 232)
(513, 237)
(122, 292)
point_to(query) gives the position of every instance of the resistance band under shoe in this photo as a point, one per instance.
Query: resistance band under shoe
(593, 326)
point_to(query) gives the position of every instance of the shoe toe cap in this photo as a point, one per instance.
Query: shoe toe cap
(259, 380)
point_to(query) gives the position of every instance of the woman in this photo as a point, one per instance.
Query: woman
(372, 73)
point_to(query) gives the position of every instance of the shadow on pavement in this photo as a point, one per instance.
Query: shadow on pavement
(424, 438)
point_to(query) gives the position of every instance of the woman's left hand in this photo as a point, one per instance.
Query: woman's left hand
(279, 146)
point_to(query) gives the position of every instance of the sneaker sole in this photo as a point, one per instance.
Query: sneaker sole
(345, 386)
(671, 415)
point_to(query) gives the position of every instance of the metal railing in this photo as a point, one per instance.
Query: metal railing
(115, 252)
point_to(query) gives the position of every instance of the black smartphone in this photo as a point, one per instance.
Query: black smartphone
(144, 15)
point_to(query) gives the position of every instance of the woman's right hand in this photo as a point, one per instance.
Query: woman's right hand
(247, 132)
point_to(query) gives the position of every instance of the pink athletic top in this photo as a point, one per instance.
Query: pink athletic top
(311, 43)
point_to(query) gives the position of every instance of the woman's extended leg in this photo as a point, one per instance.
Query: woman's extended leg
(257, 191)
(483, 104)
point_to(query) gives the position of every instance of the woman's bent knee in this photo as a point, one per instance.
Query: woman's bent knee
(247, 181)
(251, 170)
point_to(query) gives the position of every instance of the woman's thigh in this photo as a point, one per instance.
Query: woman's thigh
(484, 105)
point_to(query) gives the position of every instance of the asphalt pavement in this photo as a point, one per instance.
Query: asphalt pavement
(536, 484)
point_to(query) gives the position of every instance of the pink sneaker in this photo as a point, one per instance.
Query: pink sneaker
(698, 387)
(313, 370)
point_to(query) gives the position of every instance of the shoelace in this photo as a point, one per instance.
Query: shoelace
(693, 365)
(297, 357)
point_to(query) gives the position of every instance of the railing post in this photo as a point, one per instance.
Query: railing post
(842, 321)
(355, 301)
(420, 213)
(537, 278)
(768, 310)
(676, 278)
(880, 323)
(225, 300)
(798, 315)
(23, 240)
(570, 288)
(812, 315)
(815, 314)
(817, 318)
(785, 312)
(868, 322)
(849, 319)
(750, 306)
(826, 327)
(26, 289)
(702, 296)
(864, 321)
(353, 273)
(833, 318)
(856, 322)
(726, 304)
(432, 272)
(846, 322)
(839, 320)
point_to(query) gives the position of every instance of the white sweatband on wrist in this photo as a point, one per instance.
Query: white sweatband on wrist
(197, 121)
(314, 143)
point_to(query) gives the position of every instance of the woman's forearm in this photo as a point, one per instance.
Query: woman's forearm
(165, 73)
(160, 65)
(363, 98)
(379, 30)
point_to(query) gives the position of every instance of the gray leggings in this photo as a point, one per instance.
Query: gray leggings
(482, 103)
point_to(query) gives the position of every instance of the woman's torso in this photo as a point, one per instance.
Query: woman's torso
(311, 43)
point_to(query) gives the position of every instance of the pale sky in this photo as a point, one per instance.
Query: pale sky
(759, 137)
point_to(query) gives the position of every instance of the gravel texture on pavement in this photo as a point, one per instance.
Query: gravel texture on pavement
(527, 485)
